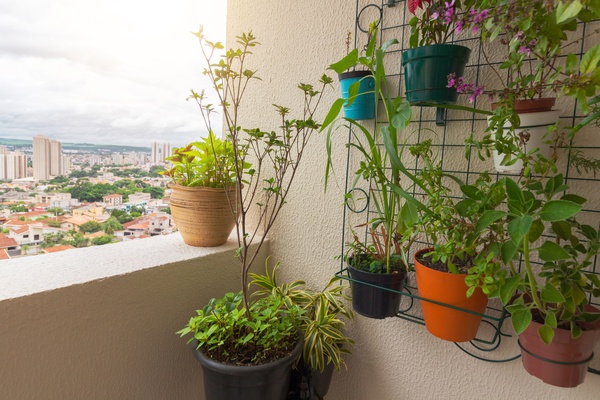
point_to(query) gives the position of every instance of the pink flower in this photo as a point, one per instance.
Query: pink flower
(481, 16)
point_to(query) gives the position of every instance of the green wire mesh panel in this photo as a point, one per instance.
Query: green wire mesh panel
(449, 130)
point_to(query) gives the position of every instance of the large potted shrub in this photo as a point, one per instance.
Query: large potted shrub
(430, 59)
(201, 191)
(461, 230)
(378, 264)
(548, 299)
(247, 346)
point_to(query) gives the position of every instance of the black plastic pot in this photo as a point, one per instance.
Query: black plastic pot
(310, 384)
(375, 302)
(259, 382)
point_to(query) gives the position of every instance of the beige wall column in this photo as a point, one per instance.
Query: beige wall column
(393, 359)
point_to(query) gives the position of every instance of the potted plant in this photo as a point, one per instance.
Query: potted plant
(379, 261)
(532, 73)
(430, 59)
(247, 346)
(322, 320)
(459, 265)
(202, 187)
(548, 302)
(357, 88)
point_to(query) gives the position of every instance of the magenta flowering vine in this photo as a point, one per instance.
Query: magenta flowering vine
(437, 21)
(463, 87)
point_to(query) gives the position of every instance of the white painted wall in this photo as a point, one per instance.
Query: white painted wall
(393, 359)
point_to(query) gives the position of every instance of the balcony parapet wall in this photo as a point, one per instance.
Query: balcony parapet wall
(100, 322)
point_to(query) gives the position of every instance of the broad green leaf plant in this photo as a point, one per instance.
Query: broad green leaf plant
(208, 162)
(323, 318)
(542, 227)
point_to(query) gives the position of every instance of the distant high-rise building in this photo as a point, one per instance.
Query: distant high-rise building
(47, 158)
(13, 165)
(159, 152)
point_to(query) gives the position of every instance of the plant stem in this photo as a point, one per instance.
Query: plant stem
(531, 276)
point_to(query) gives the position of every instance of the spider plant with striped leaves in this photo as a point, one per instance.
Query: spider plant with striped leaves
(324, 316)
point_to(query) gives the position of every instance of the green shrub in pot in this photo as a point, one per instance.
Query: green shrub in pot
(548, 299)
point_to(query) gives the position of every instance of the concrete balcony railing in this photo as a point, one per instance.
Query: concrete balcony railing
(100, 322)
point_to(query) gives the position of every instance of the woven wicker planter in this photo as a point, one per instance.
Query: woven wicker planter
(203, 215)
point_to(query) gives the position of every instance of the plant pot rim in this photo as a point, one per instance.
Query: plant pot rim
(526, 106)
(402, 272)
(421, 51)
(433, 269)
(584, 325)
(177, 186)
(354, 74)
(218, 366)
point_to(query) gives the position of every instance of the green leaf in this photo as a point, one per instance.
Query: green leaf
(550, 320)
(537, 228)
(513, 191)
(558, 210)
(508, 288)
(346, 63)
(550, 251)
(353, 92)
(546, 334)
(567, 11)
(571, 64)
(551, 294)
(518, 227)
(402, 117)
(520, 316)
(334, 111)
(562, 229)
(574, 198)
(488, 218)
(508, 251)
(471, 192)
(589, 61)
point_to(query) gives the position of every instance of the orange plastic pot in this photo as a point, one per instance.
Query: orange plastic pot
(444, 322)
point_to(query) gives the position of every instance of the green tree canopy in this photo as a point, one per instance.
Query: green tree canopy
(105, 239)
(90, 227)
(111, 225)
(155, 192)
(121, 215)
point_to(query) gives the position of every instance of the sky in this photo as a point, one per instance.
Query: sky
(105, 72)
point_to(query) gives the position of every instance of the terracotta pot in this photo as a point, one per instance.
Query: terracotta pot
(563, 362)
(533, 105)
(203, 215)
(444, 322)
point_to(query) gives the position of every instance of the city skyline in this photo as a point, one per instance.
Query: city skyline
(64, 74)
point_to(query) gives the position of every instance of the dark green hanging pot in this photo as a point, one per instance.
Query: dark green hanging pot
(426, 71)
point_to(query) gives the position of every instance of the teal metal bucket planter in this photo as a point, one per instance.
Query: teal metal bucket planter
(426, 71)
(363, 106)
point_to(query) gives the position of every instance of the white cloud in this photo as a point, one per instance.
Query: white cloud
(112, 71)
